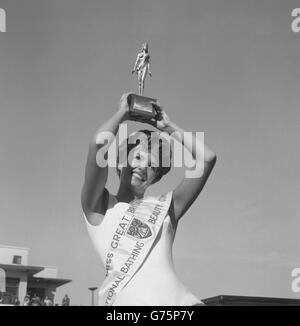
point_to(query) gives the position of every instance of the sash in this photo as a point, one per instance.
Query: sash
(131, 242)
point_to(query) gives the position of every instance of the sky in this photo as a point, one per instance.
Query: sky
(227, 68)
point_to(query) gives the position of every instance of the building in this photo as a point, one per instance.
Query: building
(18, 279)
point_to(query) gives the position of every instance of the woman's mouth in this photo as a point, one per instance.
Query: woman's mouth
(138, 175)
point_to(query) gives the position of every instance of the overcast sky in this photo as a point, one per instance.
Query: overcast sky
(228, 68)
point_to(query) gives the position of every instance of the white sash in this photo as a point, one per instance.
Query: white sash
(131, 243)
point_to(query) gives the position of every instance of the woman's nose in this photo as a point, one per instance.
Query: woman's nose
(134, 163)
(138, 163)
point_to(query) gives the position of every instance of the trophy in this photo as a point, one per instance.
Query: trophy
(139, 105)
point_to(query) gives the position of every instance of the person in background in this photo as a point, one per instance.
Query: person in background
(17, 302)
(26, 301)
(66, 301)
(48, 302)
(1, 298)
(35, 301)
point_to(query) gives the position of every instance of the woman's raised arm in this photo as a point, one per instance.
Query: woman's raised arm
(190, 187)
(94, 196)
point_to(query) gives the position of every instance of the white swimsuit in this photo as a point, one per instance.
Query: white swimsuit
(155, 283)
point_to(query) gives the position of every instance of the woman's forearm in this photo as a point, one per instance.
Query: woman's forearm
(109, 129)
(195, 145)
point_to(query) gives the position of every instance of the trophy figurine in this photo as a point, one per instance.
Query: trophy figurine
(139, 105)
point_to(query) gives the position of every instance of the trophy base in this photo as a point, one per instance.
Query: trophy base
(141, 106)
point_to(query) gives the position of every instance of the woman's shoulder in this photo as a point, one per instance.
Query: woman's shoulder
(112, 200)
(96, 218)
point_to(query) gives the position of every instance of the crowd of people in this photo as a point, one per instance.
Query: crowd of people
(36, 301)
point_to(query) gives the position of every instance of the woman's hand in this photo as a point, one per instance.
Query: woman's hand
(162, 121)
(123, 106)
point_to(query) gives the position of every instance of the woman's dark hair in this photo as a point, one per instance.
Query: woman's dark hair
(161, 169)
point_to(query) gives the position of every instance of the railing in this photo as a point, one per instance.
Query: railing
(234, 300)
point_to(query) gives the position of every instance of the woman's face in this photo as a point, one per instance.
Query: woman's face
(140, 172)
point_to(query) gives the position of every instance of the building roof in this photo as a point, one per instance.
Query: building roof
(35, 274)
(54, 281)
(13, 247)
(31, 270)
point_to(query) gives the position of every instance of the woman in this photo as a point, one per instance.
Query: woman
(142, 67)
(134, 233)
(26, 301)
